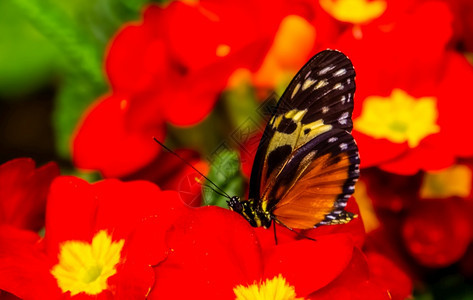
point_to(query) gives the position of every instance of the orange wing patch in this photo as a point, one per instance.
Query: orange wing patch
(312, 196)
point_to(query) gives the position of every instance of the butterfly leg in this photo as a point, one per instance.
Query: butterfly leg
(275, 236)
(299, 234)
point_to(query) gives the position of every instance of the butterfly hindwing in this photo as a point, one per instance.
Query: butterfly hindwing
(316, 106)
(314, 184)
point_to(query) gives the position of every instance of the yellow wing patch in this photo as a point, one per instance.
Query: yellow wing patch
(299, 136)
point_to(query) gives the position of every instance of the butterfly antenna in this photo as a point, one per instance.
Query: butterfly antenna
(215, 191)
(223, 193)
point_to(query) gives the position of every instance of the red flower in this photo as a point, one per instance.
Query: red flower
(406, 115)
(23, 191)
(438, 232)
(106, 226)
(425, 216)
(162, 70)
(209, 240)
(113, 141)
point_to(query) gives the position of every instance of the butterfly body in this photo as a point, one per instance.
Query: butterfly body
(255, 215)
(307, 161)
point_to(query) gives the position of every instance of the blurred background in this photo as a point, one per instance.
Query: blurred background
(52, 68)
(88, 85)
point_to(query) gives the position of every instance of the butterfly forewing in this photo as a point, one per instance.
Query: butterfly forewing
(295, 153)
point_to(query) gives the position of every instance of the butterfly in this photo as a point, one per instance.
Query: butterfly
(307, 161)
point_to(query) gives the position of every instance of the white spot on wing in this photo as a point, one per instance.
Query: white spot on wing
(332, 139)
(325, 109)
(326, 70)
(343, 118)
(343, 99)
(307, 75)
(340, 72)
(343, 146)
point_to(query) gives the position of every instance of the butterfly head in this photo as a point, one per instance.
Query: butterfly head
(235, 204)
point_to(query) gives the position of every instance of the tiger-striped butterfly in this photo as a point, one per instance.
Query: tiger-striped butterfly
(307, 161)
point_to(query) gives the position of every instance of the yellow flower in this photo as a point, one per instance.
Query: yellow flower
(272, 289)
(354, 11)
(399, 118)
(453, 181)
(86, 267)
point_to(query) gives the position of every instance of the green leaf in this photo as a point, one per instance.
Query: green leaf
(242, 106)
(82, 54)
(27, 58)
(225, 173)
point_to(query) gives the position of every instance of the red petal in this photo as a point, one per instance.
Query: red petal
(134, 59)
(424, 157)
(211, 250)
(353, 283)
(385, 274)
(309, 265)
(24, 269)
(23, 191)
(113, 141)
(458, 73)
(132, 281)
(70, 212)
(374, 152)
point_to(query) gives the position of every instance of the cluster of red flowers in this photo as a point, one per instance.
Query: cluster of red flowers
(410, 119)
(149, 238)
(131, 240)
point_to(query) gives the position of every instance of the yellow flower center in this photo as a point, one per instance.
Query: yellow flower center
(354, 11)
(453, 181)
(85, 268)
(398, 118)
(272, 289)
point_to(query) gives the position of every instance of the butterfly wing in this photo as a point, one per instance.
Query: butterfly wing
(315, 183)
(315, 108)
